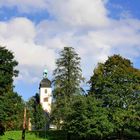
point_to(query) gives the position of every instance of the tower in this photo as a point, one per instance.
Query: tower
(45, 91)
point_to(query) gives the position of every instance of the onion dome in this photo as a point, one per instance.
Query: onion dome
(45, 82)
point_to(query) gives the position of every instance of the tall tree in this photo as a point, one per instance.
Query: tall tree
(7, 70)
(117, 84)
(10, 102)
(68, 76)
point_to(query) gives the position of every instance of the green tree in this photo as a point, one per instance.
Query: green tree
(117, 84)
(9, 101)
(13, 107)
(67, 79)
(38, 117)
(7, 70)
(88, 119)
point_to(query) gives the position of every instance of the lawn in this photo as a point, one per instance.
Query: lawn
(16, 135)
(35, 135)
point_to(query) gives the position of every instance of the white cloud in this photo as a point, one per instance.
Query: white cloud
(120, 37)
(95, 45)
(19, 28)
(88, 13)
(18, 36)
(37, 45)
(76, 24)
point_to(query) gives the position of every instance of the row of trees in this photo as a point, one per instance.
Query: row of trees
(110, 108)
(112, 105)
(11, 104)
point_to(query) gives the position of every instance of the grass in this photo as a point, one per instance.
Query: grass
(56, 135)
(16, 135)
(35, 135)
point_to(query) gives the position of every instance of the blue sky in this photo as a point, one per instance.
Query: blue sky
(37, 30)
(114, 6)
(117, 6)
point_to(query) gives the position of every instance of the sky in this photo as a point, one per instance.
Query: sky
(37, 30)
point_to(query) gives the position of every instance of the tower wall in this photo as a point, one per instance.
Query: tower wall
(46, 98)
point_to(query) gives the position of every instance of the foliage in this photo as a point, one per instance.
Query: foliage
(38, 117)
(68, 74)
(117, 84)
(7, 70)
(13, 111)
(11, 103)
(67, 79)
(87, 118)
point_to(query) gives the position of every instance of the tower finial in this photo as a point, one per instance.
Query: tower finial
(45, 72)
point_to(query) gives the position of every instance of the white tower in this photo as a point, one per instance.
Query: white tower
(45, 91)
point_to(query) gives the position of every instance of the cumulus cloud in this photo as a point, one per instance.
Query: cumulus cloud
(82, 24)
(21, 28)
(95, 45)
(88, 13)
(18, 35)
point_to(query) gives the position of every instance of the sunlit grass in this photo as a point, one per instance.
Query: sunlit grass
(16, 135)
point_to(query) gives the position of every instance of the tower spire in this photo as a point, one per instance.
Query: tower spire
(45, 72)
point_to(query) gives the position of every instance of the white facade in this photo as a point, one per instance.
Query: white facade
(46, 98)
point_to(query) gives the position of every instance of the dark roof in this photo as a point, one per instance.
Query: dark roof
(45, 82)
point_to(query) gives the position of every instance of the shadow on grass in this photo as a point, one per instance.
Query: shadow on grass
(62, 135)
(50, 135)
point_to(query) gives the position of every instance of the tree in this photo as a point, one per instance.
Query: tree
(68, 76)
(12, 107)
(88, 119)
(117, 84)
(7, 70)
(39, 118)
(9, 101)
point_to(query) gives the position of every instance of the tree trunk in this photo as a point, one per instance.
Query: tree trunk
(24, 125)
(68, 136)
(122, 134)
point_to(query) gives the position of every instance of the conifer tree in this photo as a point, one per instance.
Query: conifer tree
(68, 76)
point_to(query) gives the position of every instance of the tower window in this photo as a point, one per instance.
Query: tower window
(46, 99)
(45, 90)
